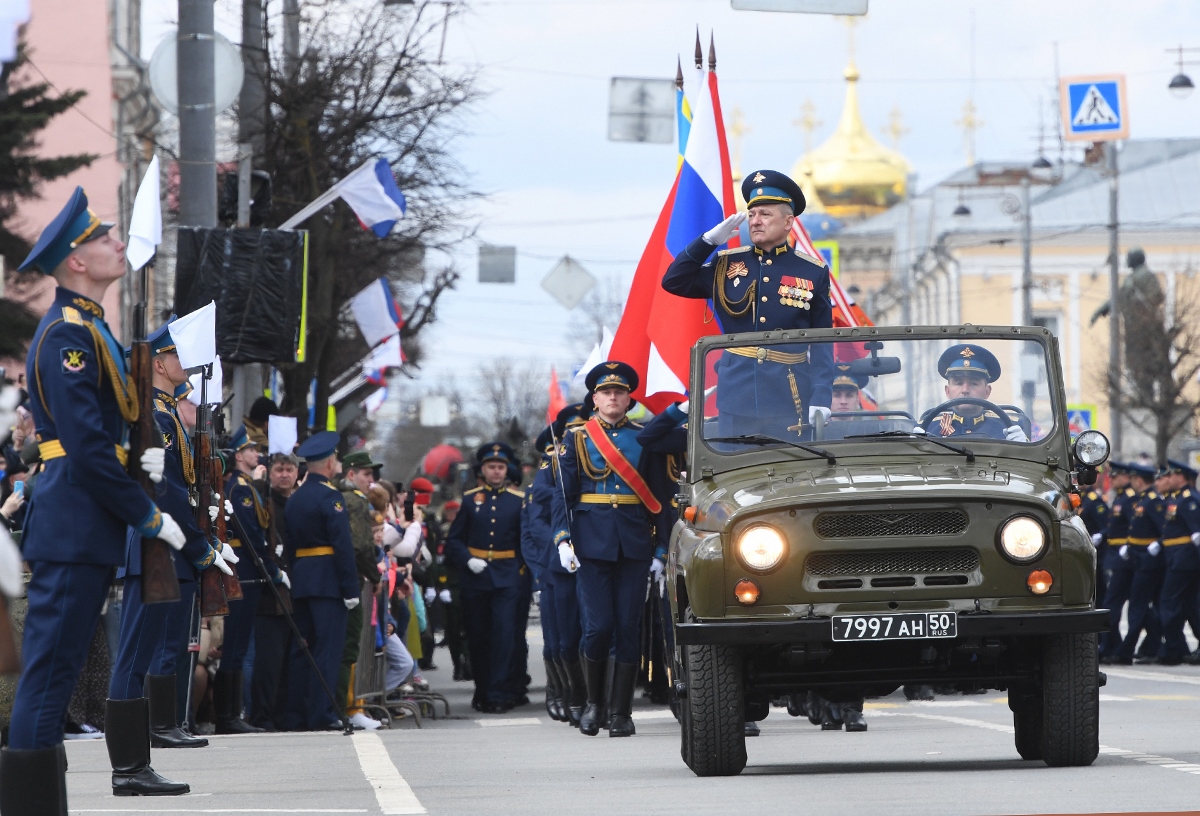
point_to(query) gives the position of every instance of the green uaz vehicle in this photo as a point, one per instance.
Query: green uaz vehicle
(926, 536)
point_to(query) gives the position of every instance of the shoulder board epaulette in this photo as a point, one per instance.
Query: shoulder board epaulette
(1187, 493)
(71, 315)
(805, 256)
(1150, 494)
(331, 486)
(1091, 495)
(572, 429)
(516, 491)
(359, 493)
(545, 464)
(735, 250)
(1129, 491)
(991, 414)
(161, 407)
(472, 490)
(633, 424)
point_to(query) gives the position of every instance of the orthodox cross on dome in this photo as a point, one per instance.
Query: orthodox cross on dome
(895, 130)
(808, 122)
(737, 131)
(970, 123)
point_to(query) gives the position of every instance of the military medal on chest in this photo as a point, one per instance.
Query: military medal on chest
(796, 292)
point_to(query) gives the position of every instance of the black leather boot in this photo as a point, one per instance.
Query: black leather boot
(853, 718)
(594, 672)
(561, 691)
(624, 678)
(227, 700)
(831, 716)
(576, 691)
(127, 734)
(33, 782)
(552, 690)
(164, 731)
(606, 702)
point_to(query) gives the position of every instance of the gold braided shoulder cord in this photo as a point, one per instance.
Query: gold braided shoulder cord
(585, 459)
(185, 452)
(123, 389)
(746, 300)
(673, 467)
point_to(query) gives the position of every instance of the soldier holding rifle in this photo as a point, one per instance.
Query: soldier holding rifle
(83, 401)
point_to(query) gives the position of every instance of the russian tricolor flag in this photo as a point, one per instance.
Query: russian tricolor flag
(372, 193)
(376, 312)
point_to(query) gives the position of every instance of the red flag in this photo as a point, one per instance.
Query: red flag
(557, 400)
(846, 313)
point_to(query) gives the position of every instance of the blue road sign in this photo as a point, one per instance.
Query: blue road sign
(1094, 108)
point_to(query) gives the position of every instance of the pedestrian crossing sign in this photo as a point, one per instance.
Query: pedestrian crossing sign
(1094, 108)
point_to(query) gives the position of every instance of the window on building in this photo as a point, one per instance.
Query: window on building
(1049, 322)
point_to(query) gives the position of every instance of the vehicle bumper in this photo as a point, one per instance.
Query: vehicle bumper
(820, 630)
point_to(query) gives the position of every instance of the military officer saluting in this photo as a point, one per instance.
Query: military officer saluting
(252, 514)
(324, 584)
(485, 543)
(604, 529)
(766, 286)
(970, 371)
(153, 635)
(1181, 582)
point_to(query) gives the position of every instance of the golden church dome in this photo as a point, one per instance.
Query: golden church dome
(853, 175)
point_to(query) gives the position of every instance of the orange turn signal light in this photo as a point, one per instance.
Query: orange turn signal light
(689, 514)
(746, 591)
(1039, 582)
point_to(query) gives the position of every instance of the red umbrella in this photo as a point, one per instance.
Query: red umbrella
(439, 460)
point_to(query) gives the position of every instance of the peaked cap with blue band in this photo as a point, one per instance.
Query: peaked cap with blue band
(241, 440)
(495, 452)
(772, 187)
(613, 374)
(969, 357)
(844, 379)
(1147, 472)
(74, 225)
(160, 340)
(1175, 466)
(318, 446)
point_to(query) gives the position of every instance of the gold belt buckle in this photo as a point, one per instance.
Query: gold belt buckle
(762, 355)
(489, 558)
(613, 499)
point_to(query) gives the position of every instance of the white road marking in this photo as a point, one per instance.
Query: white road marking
(392, 793)
(509, 722)
(1149, 759)
(1135, 674)
(653, 714)
(219, 810)
(1115, 698)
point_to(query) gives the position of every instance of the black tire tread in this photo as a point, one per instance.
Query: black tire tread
(715, 711)
(1071, 700)
(1027, 732)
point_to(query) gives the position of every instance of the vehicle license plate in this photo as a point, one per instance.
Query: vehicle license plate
(901, 626)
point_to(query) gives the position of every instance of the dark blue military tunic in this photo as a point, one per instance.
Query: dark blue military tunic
(752, 289)
(1178, 598)
(557, 580)
(1118, 571)
(1093, 512)
(252, 514)
(75, 527)
(536, 544)
(985, 423)
(321, 555)
(1145, 527)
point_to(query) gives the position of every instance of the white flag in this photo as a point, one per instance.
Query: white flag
(195, 336)
(281, 434)
(214, 388)
(145, 226)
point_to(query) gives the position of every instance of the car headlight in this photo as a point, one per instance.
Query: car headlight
(760, 547)
(1091, 448)
(1023, 539)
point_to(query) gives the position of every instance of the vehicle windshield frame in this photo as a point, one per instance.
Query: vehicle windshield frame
(1051, 449)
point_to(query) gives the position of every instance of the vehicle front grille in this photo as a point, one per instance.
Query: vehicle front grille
(910, 524)
(907, 562)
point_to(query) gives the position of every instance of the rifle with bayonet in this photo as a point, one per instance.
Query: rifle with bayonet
(159, 583)
(213, 598)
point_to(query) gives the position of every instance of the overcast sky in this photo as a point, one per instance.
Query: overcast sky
(537, 144)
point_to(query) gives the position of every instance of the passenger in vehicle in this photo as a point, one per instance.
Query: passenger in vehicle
(970, 371)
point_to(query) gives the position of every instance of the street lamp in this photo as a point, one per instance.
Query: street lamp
(1181, 85)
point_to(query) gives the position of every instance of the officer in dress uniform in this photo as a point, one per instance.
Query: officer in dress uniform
(153, 635)
(1093, 512)
(1181, 582)
(75, 525)
(252, 513)
(324, 584)
(970, 371)
(768, 285)
(603, 523)
(485, 543)
(1118, 571)
(536, 546)
(1143, 548)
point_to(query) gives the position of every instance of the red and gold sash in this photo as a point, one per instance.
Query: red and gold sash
(620, 465)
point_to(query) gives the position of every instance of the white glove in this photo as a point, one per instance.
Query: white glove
(212, 512)
(350, 602)
(11, 583)
(228, 507)
(430, 595)
(279, 551)
(1096, 537)
(566, 557)
(656, 569)
(724, 231)
(1196, 539)
(171, 533)
(228, 554)
(917, 429)
(1013, 433)
(444, 596)
(476, 565)
(220, 564)
(683, 406)
(1124, 552)
(813, 410)
(1155, 548)
(153, 461)
(283, 579)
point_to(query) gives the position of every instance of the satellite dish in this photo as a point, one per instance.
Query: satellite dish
(227, 64)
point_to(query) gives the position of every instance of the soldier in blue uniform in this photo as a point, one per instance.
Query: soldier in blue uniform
(75, 525)
(1118, 571)
(970, 371)
(1144, 549)
(1181, 582)
(768, 285)
(153, 635)
(485, 543)
(536, 546)
(248, 506)
(603, 523)
(1093, 512)
(324, 584)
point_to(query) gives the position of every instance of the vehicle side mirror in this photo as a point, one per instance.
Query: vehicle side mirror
(875, 366)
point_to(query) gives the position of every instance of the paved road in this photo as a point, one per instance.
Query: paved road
(952, 756)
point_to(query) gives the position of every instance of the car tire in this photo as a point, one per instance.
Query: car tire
(1027, 729)
(1070, 700)
(713, 725)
